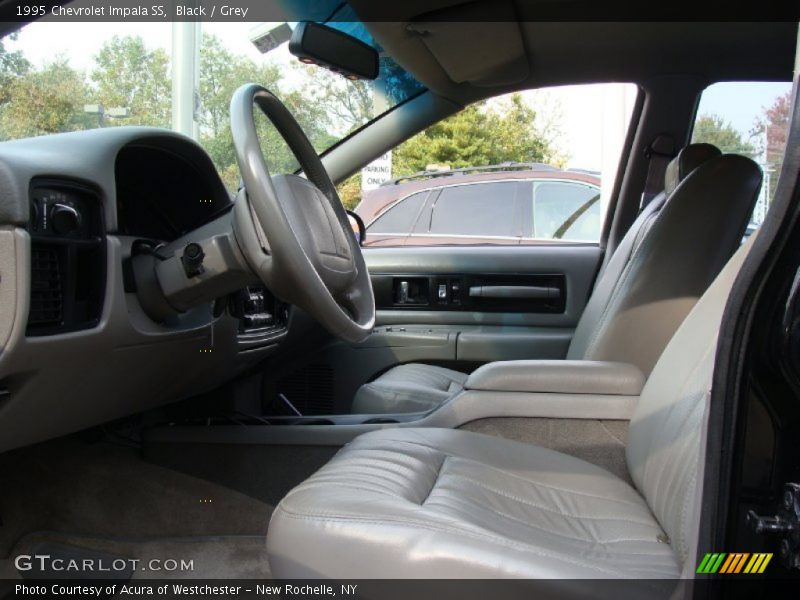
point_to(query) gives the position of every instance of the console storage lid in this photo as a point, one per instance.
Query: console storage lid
(559, 377)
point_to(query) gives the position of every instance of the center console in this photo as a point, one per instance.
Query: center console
(558, 389)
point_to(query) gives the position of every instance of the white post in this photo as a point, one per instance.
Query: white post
(185, 76)
(380, 169)
(762, 204)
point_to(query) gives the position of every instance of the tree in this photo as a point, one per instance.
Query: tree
(48, 100)
(128, 75)
(517, 135)
(221, 73)
(479, 135)
(713, 129)
(12, 65)
(348, 104)
(776, 124)
(350, 191)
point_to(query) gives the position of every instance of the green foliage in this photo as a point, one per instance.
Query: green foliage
(48, 100)
(482, 134)
(129, 75)
(12, 65)
(713, 129)
(349, 102)
(221, 73)
(350, 191)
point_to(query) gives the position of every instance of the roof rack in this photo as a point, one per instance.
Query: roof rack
(506, 166)
(585, 171)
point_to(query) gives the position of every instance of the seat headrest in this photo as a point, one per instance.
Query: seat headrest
(688, 159)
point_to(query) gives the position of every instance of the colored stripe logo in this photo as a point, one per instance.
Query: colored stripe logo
(733, 563)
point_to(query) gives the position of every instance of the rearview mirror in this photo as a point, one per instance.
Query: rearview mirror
(317, 44)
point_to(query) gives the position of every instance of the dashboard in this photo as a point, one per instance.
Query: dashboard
(76, 347)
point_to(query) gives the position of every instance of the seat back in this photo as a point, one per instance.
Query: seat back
(668, 258)
(664, 439)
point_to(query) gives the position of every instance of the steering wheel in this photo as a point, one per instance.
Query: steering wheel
(293, 231)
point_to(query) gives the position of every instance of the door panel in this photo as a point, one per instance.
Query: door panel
(577, 264)
(461, 337)
(497, 303)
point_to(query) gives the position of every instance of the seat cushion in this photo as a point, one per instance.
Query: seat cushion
(408, 388)
(432, 503)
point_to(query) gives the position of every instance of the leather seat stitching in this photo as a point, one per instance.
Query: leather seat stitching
(435, 480)
(525, 479)
(547, 509)
(560, 489)
(510, 474)
(591, 539)
(681, 542)
(688, 382)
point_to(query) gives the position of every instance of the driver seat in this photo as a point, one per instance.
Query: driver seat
(440, 503)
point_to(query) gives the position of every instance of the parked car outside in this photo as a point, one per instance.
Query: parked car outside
(507, 204)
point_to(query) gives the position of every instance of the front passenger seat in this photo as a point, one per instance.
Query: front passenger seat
(665, 262)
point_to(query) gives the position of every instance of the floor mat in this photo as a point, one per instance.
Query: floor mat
(106, 491)
(218, 557)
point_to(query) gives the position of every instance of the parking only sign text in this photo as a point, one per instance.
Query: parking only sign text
(377, 172)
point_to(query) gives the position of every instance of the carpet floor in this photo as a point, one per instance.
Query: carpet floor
(103, 497)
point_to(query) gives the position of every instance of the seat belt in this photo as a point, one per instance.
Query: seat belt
(660, 151)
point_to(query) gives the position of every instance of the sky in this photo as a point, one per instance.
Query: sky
(592, 118)
(85, 39)
(741, 102)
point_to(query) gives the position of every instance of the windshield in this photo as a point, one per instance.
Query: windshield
(125, 75)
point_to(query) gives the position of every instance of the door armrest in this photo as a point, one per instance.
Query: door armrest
(559, 377)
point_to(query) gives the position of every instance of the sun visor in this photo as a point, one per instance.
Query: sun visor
(479, 43)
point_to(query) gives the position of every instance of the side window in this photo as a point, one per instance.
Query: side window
(752, 119)
(474, 158)
(401, 217)
(477, 210)
(566, 211)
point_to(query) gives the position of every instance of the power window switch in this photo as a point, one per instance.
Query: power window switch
(455, 292)
(442, 294)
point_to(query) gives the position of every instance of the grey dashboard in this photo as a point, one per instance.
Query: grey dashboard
(76, 349)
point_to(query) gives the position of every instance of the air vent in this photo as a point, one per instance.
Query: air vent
(47, 295)
(68, 257)
(310, 389)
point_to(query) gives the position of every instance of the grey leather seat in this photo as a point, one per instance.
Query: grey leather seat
(431, 503)
(661, 267)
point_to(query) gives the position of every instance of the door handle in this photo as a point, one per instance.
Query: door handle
(515, 292)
